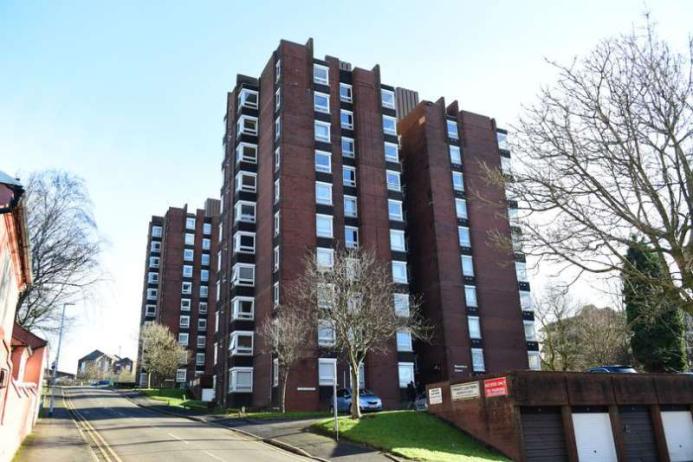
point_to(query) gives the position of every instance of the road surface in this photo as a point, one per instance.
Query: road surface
(125, 432)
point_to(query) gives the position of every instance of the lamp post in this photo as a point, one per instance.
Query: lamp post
(57, 359)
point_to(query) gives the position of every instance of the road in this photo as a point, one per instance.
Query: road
(126, 432)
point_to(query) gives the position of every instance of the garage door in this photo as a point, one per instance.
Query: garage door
(638, 434)
(593, 436)
(678, 431)
(542, 430)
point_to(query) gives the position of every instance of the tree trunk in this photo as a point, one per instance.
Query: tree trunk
(149, 380)
(355, 392)
(285, 379)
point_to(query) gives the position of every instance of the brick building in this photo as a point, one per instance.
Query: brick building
(180, 283)
(313, 163)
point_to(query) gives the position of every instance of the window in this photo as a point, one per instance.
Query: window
(275, 372)
(183, 338)
(348, 147)
(201, 341)
(277, 128)
(185, 304)
(470, 295)
(516, 239)
(322, 131)
(186, 288)
(276, 223)
(401, 304)
(190, 223)
(187, 271)
(391, 152)
(525, 300)
(277, 194)
(204, 291)
(513, 217)
(467, 265)
(323, 193)
(246, 181)
(325, 296)
(506, 165)
(457, 181)
(155, 246)
(241, 343)
(150, 310)
(277, 159)
(184, 322)
(530, 333)
(351, 237)
(389, 125)
(321, 74)
(323, 225)
(394, 209)
(247, 125)
(350, 206)
(323, 161)
(206, 229)
(244, 211)
(204, 275)
(404, 341)
(152, 294)
(455, 155)
(345, 93)
(202, 324)
(246, 152)
(327, 371)
(534, 358)
(157, 231)
(152, 278)
(200, 359)
(461, 208)
(406, 374)
(349, 176)
(478, 360)
(387, 97)
(247, 98)
(243, 308)
(452, 130)
(463, 236)
(399, 272)
(218, 260)
(277, 100)
(276, 258)
(244, 242)
(275, 294)
(189, 239)
(241, 380)
(324, 258)
(502, 141)
(153, 262)
(474, 327)
(181, 375)
(243, 274)
(204, 261)
(346, 119)
(521, 270)
(217, 293)
(393, 181)
(397, 242)
(321, 102)
(206, 243)
(277, 70)
(326, 333)
(202, 307)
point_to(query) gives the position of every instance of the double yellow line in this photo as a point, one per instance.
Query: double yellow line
(86, 427)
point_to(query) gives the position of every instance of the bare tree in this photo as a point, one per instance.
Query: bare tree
(161, 352)
(351, 301)
(286, 336)
(605, 153)
(554, 311)
(65, 247)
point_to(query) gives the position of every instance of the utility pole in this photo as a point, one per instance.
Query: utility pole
(57, 359)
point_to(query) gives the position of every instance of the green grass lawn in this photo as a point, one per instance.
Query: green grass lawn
(411, 434)
(174, 397)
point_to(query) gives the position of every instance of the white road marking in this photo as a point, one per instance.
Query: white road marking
(213, 456)
(178, 438)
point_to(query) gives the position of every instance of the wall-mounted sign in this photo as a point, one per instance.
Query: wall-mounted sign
(435, 396)
(460, 368)
(305, 389)
(469, 390)
(496, 387)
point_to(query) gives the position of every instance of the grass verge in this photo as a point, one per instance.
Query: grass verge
(275, 415)
(174, 397)
(411, 434)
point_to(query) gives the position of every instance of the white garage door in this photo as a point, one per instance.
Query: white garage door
(678, 431)
(595, 441)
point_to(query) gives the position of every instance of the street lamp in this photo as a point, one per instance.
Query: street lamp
(57, 359)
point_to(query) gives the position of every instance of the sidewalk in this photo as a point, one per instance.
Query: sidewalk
(56, 439)
(289, 434)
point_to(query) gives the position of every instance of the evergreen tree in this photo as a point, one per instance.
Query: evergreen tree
(655, 320)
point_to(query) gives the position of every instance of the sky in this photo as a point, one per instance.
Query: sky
(130, 95)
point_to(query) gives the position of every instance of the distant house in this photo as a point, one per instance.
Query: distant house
(122, 365)
(97, 365)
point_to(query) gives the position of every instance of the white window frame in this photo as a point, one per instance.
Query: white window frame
(150, 310)
(275, 372)
(526, 300)
(461, 208)
(470, 295)
(349, 97)
(200, 359)
(324, 252)
(152, 277)
(234, 386)
(467, 262)
(474, 327)
(348, 168)
(320, 217)
(235, 349)
(184, 322)
(533, 356)
(187, 271)
(242, 156)
(455, 154)
(324, 363)
(189, 239)
(521, 271)
(452, 129)
(354, 200)
(238, 208)
(201, 341)
(317, 78)
(320, 123)
(275, 294)
(154, 262)
(529, 325)
(181, 375)
(186, 287)
(502, 139)
(183, 338)
(236, 275)
(349, 122)
(243, 98)
(241, 127)
(202, 306)
(204, 275)
(277, 190)
(399, 239)
(277, 99)
(354, 230)
(478, 363)
(204, 291)
(386, 130)
(326, 333)
(238, 247)
(185, 304)
(398, 279)
(155, 246)
(190, 223)
(458, 186)
(157, 231)
(389, 157)
(205, 259)
(241, 184)
(201, 324)
(464, 237)
(385, 96)
(404, 341)
(345, 140)
(277, 70)
(277, 128)
(409, 366)
(398, 204)
(275, 258)
(152, 294)
(277, 223)
(318, 108)
(322, 168)
(393, 186)
(277, 158)
(237, 313)
(401, 304)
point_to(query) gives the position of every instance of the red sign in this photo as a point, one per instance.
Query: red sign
(496, 387)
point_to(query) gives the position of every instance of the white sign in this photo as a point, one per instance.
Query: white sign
(435, 396)
(305, 388)
(469, 390)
